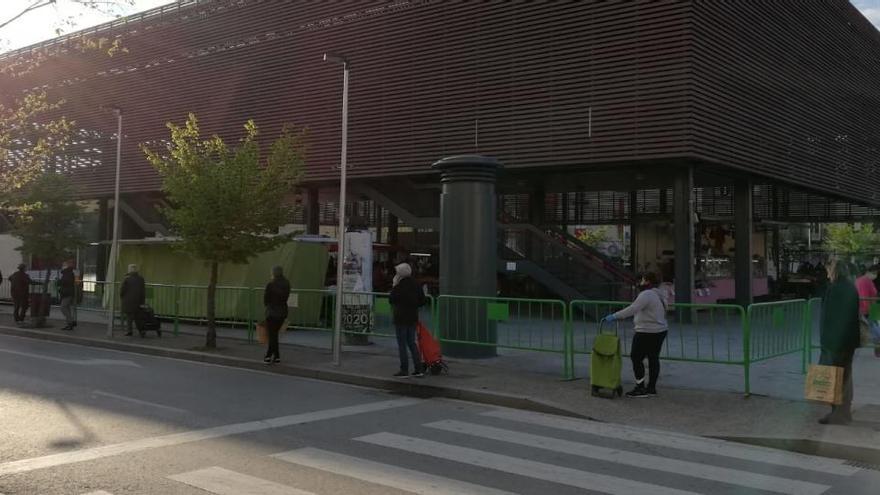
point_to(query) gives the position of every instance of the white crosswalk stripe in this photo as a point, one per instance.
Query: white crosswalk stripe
(384, 474)
(99, 492)
(521, 467)
(680, 441)
(694, 469)
(221, 481)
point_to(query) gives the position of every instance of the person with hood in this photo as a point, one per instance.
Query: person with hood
(19, 288)
(839, 334)
(134, 295)
(649, 317)
(406, 298)
(275, 300)
(67, 292)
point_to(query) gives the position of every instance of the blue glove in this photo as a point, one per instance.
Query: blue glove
(610, 319)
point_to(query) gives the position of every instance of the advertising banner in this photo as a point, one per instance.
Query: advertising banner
(357, 276)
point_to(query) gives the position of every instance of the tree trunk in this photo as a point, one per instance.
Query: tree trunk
(42, 304)
(211, 337)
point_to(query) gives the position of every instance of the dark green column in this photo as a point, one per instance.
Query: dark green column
(468, 255)
(742, 214)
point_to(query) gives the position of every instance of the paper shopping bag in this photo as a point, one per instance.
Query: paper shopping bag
(825, 384)
(262, 333)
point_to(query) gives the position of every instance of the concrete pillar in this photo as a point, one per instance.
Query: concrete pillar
(313, 212)
(392, 229)
(468, 254)
(537, 207)
(683, 209)
(742, 215)
(633, 246)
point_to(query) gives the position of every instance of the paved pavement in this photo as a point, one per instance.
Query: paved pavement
(82, 420)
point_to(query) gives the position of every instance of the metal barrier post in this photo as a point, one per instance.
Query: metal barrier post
(176, 310)
(747, 350)
(568, 343)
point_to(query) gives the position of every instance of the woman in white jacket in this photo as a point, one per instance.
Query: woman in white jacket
(649, 312)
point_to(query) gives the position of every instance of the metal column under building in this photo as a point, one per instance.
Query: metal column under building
(683, 207)
(742, 214)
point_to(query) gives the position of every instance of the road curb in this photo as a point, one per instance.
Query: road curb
(408, 387)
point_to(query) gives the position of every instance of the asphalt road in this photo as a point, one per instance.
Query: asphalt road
(79, 420)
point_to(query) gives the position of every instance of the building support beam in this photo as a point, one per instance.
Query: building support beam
(313, 212)
(683, 208)
(742, 214)
(633, 246)
(392, 229)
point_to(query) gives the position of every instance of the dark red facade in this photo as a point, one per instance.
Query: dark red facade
(783, 90)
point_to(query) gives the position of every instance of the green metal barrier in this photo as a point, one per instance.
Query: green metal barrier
(777, 329)
(540, 325)
(698, 333)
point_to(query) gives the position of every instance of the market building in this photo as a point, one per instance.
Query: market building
(691, 138)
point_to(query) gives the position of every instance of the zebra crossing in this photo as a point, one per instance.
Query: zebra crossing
(587, 456)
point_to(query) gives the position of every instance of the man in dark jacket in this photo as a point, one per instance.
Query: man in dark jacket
(406, 298)
(133, 294)
(67, 292)
(275, 300)
(20, 287)
(840, 335)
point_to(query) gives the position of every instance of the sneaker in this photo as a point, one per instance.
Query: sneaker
(267, 360)
(652, 392)
(418, 374)
(128, 334)
(401, 374)
(638, 391)
(276, 360)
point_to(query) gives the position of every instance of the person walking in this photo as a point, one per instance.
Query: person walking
(20, 287)
(67, 293)
(133, 294)
(868, 297)
(275, 300)
(406, 298)
(839, 335)
(649, 316)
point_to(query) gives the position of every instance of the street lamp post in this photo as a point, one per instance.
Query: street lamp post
(114, 245)
(340, 248)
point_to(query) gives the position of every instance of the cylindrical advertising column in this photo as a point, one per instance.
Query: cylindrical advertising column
(468, 254)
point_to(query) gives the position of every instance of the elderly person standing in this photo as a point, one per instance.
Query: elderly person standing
(134, 295)
(406, 298)
(840, 334)
(275, 300)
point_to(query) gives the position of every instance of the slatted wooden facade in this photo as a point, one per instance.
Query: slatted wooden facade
(765, 87)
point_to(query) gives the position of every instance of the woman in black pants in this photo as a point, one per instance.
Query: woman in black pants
(649, 312)
(275, 299)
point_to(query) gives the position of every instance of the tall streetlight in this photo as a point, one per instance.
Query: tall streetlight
(340, 247)
(114, 245)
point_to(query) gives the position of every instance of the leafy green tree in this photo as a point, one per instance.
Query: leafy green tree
(849, 241)
(226, 203)
(48, 221)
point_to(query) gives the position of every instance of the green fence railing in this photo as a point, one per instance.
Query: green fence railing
(540, 325)
(698, 333)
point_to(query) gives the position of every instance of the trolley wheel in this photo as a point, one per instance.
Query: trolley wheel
(619, 391)
(595, 391)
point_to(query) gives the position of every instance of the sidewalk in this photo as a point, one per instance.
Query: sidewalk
(696, 399)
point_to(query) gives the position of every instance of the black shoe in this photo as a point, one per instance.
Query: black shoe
(418, 374)
(276, 360)
(652, 392)
(267, 360)
(401, 374)
(638, 391)
(68, 327)
(128, 334)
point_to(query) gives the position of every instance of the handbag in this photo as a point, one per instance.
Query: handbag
(824, 384)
